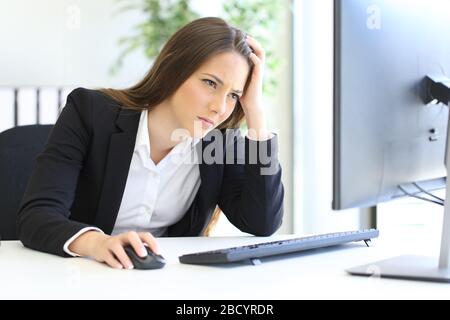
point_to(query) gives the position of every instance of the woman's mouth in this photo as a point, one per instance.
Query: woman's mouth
(206, 123)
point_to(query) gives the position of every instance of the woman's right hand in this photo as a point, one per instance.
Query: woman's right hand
(110, 249)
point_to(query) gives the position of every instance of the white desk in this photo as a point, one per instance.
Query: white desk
(27, 274)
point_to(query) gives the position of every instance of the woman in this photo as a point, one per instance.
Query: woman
(111, 176)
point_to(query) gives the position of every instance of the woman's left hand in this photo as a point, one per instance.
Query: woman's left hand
(251, 101)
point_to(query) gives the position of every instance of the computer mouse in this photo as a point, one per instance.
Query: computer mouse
(151, 261)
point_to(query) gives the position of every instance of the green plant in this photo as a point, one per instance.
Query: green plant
(162, 19)
(259, 18)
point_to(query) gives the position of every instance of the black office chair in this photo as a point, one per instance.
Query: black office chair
(19, 147)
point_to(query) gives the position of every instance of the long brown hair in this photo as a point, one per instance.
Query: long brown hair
(181, 56)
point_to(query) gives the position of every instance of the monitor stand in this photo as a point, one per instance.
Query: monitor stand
(420, 267)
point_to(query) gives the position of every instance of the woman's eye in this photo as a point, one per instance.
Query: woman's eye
(210, 82)
(236, 97)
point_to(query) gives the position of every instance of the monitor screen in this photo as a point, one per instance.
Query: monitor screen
(385, 134)
(391, 99)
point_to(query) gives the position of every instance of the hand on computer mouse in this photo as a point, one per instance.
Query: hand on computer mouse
(151, 261)
(110, 249)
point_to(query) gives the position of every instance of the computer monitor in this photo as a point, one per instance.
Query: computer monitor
(392, 79)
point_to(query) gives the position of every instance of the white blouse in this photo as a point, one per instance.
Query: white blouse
(155, 196)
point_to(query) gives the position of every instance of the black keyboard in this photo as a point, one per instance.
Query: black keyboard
(265, 249)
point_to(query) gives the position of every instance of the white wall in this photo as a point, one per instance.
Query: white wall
(65, 43)
(60, 43)
(280, 112)
(313, 116)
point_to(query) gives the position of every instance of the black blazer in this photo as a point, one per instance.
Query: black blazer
(79, 179)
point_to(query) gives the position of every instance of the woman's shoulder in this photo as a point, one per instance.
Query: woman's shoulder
(93, 101)
(91, 95)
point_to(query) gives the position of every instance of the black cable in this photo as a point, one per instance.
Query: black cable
(426, 192)
(421, 198)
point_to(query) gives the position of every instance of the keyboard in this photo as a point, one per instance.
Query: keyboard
(260, 250)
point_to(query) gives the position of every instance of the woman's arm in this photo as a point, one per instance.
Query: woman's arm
(109, 249)
(42, 220)
(252, 192)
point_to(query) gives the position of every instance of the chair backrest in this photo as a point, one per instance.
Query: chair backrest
(19, 147)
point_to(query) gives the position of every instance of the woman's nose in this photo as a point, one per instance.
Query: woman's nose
(219, 105)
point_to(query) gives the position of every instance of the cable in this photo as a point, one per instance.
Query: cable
(426, 192)
(421, 198)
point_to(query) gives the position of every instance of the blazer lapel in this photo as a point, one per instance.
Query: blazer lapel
(120, 152)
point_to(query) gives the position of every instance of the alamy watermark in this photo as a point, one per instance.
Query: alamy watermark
(228, 147)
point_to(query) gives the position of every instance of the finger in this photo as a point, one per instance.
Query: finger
(113, 262)
(149, 239)
(258, 69)
(121, 255)
(257, 48)
(135, 241)
(255, 59)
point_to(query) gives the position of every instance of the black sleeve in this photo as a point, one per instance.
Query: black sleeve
(252, 192)
(42, 219)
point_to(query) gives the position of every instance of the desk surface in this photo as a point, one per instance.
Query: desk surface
(28, 274)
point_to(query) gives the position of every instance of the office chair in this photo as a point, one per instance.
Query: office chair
(19, 146)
